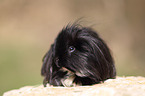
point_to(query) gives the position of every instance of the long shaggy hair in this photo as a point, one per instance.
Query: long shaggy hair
(78, 56)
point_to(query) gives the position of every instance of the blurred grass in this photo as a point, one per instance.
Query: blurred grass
(20, 66)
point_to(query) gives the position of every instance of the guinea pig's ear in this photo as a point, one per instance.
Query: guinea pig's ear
(46, 70)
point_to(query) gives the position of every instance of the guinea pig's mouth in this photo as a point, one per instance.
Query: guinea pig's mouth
(68, 80)
(79, 74)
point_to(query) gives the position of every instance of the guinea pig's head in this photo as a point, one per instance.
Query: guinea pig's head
(81, 51)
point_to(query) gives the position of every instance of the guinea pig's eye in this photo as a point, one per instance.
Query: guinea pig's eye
(71, 49)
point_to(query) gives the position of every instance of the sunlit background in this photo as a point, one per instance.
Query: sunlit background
(29, 27)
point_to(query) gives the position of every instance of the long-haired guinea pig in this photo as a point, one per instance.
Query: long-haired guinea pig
(78, 56)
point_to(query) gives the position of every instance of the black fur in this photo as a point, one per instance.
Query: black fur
(81, 51)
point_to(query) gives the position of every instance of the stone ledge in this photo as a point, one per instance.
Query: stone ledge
(121, 86)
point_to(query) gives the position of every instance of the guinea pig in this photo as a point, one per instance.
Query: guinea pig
(78, 56)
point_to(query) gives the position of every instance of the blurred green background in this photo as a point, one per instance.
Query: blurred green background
(28, 27)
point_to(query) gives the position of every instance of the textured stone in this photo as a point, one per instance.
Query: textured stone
(121, 86)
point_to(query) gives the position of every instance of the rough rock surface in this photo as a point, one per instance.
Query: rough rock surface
(121, 86)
